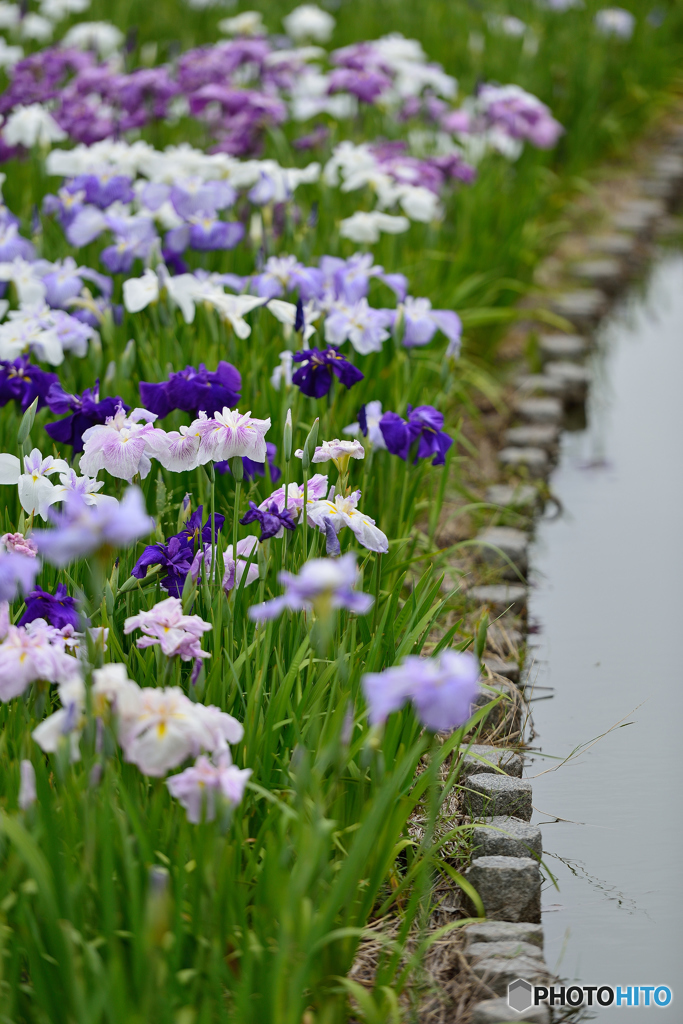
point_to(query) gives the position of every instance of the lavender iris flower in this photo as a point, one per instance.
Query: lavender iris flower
(65, 282)
(193, 391)
(323, 585)
(272, 520)
(284, 273)
(422, 434)
(421, 323)
(104, 190)
(205, 234)
(134, 239)
(12, 245)
(350, 279)
(57, 609)
(252, 469)
(314, 376)
(86, 411)
(84, 529)
(22, 382)
(442, 689)
(17, 573)
(366, 85)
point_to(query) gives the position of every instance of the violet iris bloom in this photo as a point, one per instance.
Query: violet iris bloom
(284, 273)
(105, 190)
(193, 531)
(178, 554)
(421, 433)
(366, 85)
(86, 411)
(23, 382)
(17, 574)
(421, 323)
(350, 279)
(13, 245)
(205, 234)
(57, 609)
(442, 690)
(323, 584)
(175, 559)
(84, 529)
(65, 282)
(134, 239)
(314, 376)
(272, 520)
(194, 391)
(252, 469)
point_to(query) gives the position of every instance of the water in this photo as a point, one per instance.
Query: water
(609, 607)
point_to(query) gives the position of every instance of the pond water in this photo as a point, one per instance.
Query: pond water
(608, 606)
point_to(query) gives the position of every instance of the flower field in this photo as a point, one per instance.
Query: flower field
(253, 267)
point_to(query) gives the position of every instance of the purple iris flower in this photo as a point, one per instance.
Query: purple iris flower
(200, 197)
(272, 520)
(314, 376)
(175, 559)
(86, 411)
(57, 609)
(12, 244)
(193, 530)
(194, 391)
(442, 690)
(105, 190)
(422, 434)
(17, 573)
(176, 556)
(252, 469)
(350, 279)
(84, 529)
(65, 282)
(205, 234)
(366, 85)
(208, 234)
(134, 239)
(284, 273)
(23, 383)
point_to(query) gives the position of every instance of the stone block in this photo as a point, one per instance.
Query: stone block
(562, 346)
(637, 216)
(497, 973)
(581, 307)
(501, 545)
(509, 669)
(497, 1011)
(492, 795)
(607, 273)
(506, 760)
(501, 597)
(535, 461)
(504, 931)
(534, 435)
(510, 889)
(618, 245)
(539, 384)
(575, 379)
(506, 949)
(517, 496)
(668, 166)
(506, 837)
(540, 410)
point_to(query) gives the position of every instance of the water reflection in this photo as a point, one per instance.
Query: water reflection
(608, 604)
